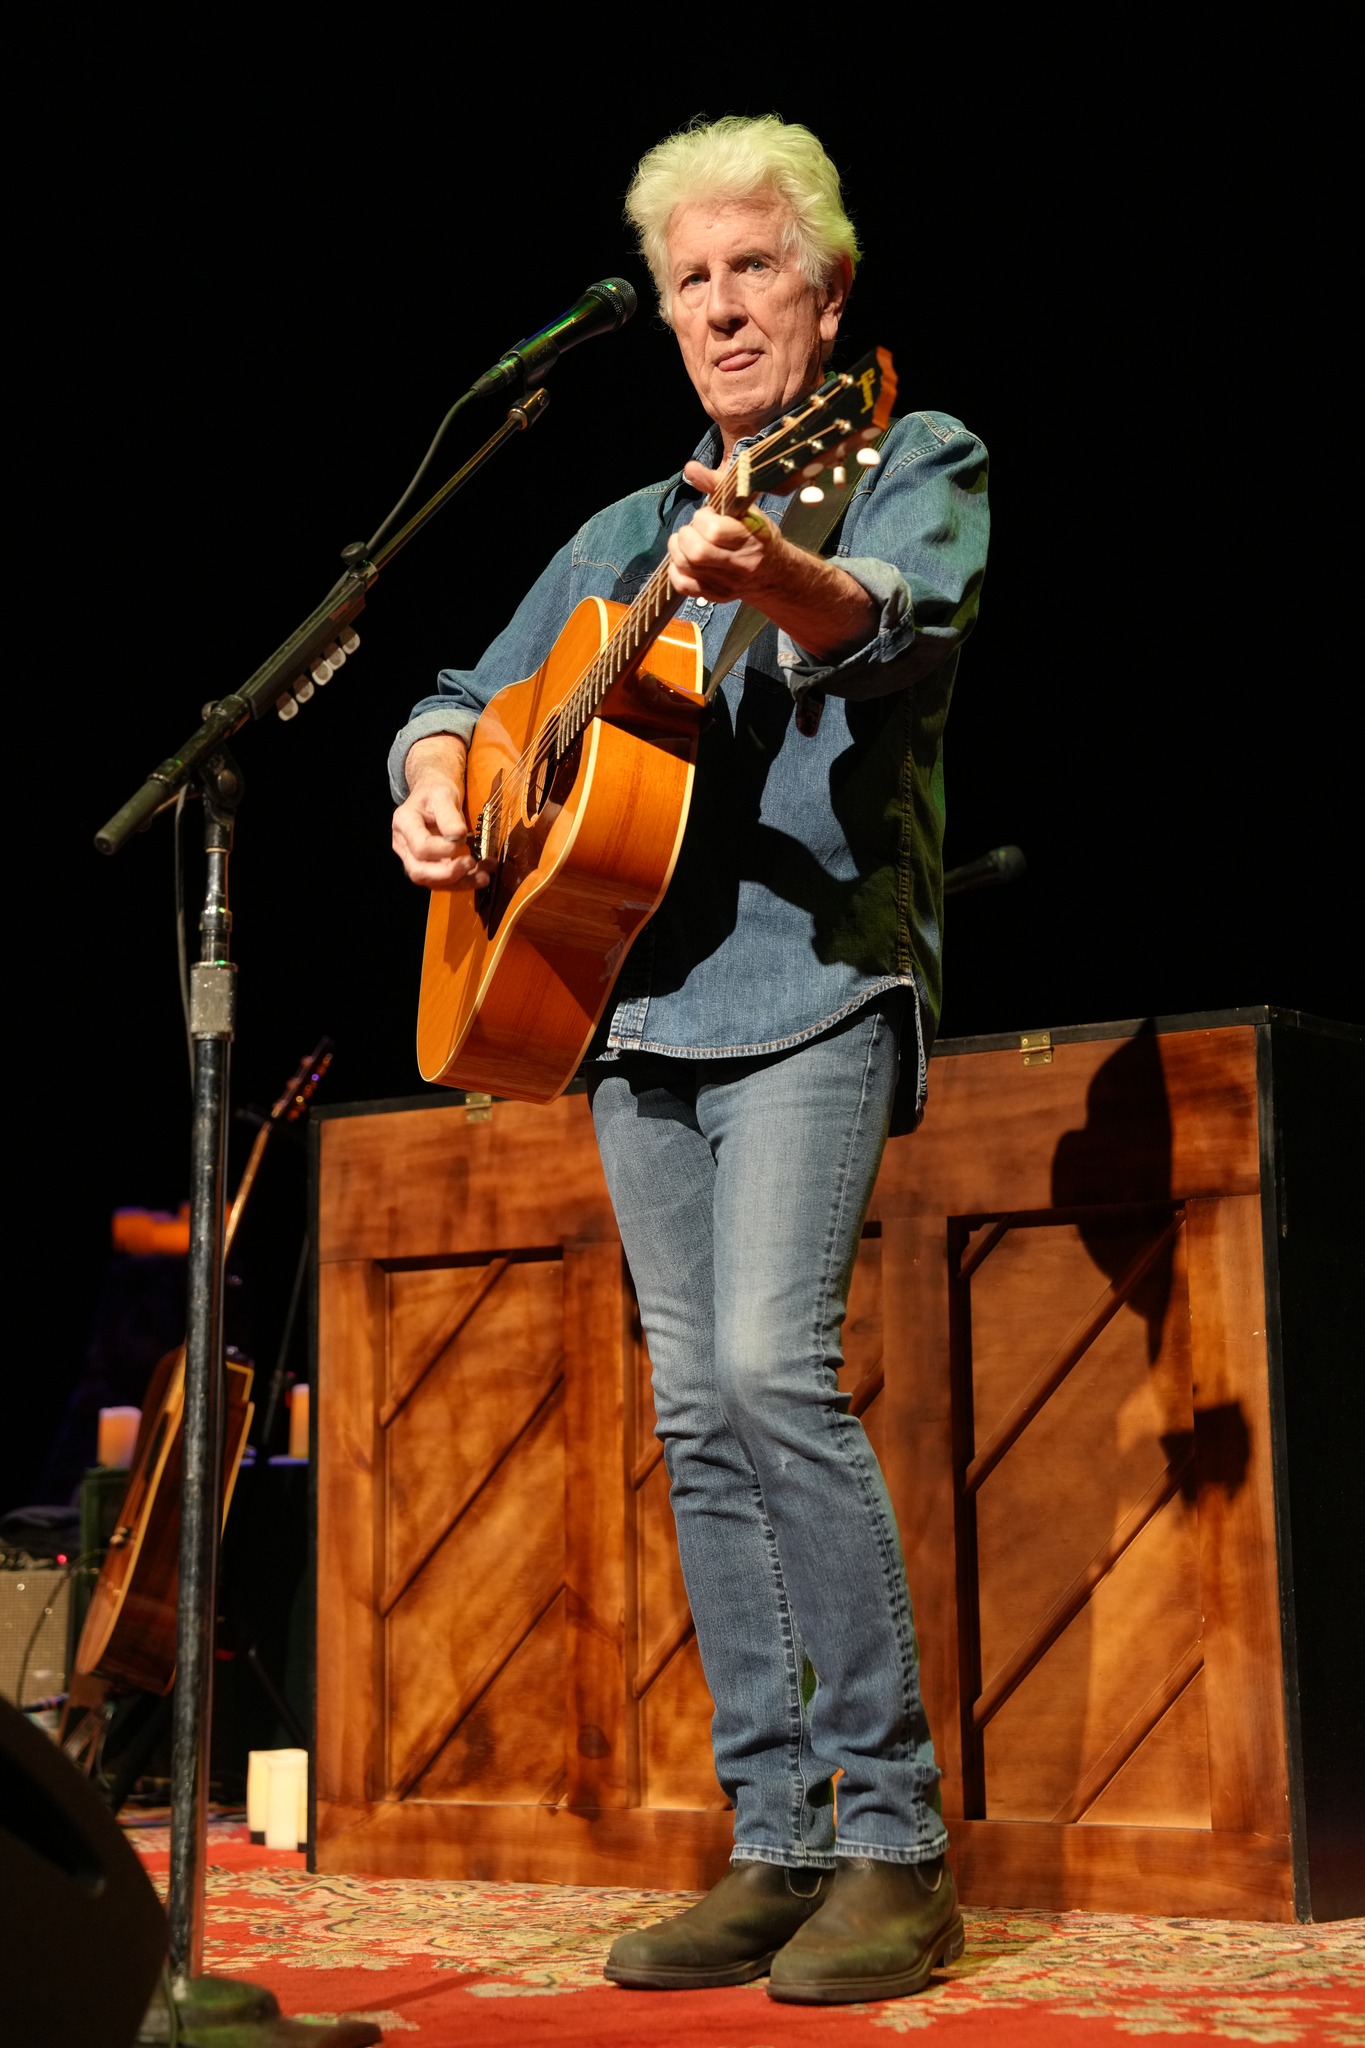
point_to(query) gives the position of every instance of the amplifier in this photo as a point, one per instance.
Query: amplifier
(35, 1631)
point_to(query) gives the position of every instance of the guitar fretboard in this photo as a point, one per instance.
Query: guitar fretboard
(648, 615)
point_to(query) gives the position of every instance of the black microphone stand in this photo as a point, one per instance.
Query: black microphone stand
(206, 2008)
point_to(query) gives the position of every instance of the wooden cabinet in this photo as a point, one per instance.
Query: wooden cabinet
(1081, 1289)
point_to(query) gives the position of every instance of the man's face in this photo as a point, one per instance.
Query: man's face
(752, 330)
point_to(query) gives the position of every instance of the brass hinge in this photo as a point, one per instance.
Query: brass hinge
(1036, 1047)
(478, 1109)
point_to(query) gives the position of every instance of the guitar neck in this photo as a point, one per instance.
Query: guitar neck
(636, 633)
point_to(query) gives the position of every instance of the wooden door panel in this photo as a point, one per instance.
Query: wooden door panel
(509, 1745)
(1165, 1782)
(1074, 1709)
(676, 1770)
(481, 1592)
(480, 1349)
(661, 1609)
(863, 1377)
(1082, 1466)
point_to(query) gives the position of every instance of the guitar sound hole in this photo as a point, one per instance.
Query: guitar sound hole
(552, 777)
(542, 778)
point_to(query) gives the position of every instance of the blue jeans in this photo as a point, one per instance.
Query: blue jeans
(740, 1188)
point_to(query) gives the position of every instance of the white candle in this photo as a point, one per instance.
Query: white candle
(117, 1436)
(298, 1422)
(257, 1784)
(286, 1806)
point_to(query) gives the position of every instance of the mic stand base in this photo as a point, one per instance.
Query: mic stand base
(220, 2012)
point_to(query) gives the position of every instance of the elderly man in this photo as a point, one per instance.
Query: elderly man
(743, 1076)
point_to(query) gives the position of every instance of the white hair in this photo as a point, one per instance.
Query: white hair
(733, 159)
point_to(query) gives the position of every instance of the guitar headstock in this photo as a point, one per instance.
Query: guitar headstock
(304, 1084)
(851, 409)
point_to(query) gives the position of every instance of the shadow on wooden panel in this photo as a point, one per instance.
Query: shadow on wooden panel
(1085, 1578)
(1122, 1153)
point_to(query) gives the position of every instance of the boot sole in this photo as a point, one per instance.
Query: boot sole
(682, 1979)
(947, 1947)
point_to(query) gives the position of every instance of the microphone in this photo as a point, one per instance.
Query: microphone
(603, 306)
(1001, 864)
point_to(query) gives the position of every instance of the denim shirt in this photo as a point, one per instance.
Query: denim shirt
(810, 877)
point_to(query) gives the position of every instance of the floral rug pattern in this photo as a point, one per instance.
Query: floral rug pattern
(1142, 1976)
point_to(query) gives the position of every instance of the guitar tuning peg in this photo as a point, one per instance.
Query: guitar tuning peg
(868, 457)
(320, 670)
(303, 687)
(812, 495)
(286, 706)
(840, 475)
(348, 640)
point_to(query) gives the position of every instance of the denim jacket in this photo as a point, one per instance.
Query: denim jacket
(810, 875)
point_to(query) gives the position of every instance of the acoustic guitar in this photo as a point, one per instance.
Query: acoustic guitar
(577, 790)
(130, 1625)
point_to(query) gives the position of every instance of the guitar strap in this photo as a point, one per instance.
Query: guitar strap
(808, 527)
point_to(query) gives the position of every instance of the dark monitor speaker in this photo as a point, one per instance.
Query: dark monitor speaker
(83, 1935)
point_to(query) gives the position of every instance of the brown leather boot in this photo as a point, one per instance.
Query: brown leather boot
(729, 1937)
(880, 1932)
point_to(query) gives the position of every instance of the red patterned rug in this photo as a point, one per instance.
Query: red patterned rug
(519, 1966)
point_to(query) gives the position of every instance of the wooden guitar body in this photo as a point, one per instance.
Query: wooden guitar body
(516, 976)
(129, 1632)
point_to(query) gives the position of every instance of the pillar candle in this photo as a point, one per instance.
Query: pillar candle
(257, 1785)
(298, 1422)
(117, 1436)
(286, 1809)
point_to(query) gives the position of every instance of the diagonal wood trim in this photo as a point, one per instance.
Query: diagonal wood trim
(1131, 1738)
(977, 1253)
(1069, 1603)
(474, 1486)
(553, 1795)
(645, 1464)
(867, 1389)
(446, 1334)
(664, 1653)
(1071, 1352)
(530, 1618)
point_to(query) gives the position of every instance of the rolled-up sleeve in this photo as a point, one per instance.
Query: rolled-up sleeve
(915, 537)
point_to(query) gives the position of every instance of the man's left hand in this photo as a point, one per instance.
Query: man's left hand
(720, 557)
(826, 611)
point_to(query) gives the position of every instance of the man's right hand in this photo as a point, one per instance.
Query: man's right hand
(430, 835)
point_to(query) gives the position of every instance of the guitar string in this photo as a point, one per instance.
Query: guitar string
(558, 733)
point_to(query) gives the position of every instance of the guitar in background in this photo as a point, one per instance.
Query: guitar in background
(130, 1626)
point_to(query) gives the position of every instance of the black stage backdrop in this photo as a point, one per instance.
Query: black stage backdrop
(256, 280)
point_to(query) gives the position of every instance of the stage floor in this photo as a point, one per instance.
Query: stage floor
(437, 1962)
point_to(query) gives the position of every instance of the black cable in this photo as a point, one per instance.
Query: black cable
(377, 537)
